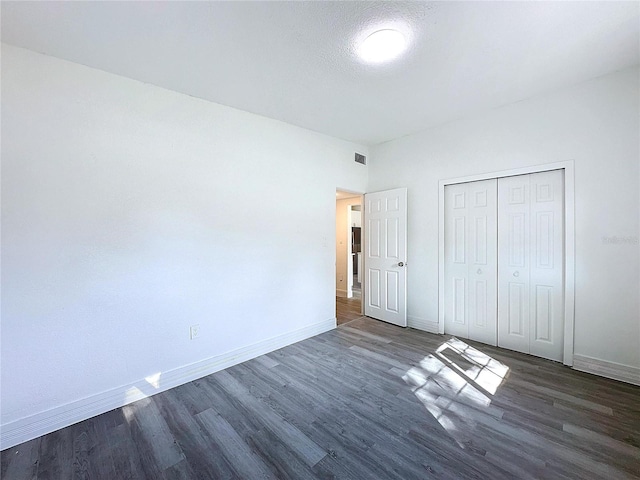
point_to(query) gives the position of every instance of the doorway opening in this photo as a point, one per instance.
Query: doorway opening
(349, 271)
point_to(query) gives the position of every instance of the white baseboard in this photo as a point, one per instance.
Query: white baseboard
(604, 368)
(33, 426)
(422, 324)
(341, 293)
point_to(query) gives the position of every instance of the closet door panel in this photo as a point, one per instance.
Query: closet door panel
(470, 260)
(513, 263)
(482, 266)
(456, 266)
(547, 265)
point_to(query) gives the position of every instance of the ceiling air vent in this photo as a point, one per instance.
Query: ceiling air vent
(361, 159)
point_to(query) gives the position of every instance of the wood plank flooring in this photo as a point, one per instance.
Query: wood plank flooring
(348, 309)
(367, 400)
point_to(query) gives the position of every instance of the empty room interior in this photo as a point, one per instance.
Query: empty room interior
(381, 240)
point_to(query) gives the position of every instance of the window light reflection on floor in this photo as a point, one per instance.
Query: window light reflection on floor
(135, 398)
(448, 389)
(485, 371)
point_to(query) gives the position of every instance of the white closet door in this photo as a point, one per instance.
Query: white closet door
(547, 265)
(513, 263)
(482, 253)
(470, 260)
(455, 260)
(530, 263)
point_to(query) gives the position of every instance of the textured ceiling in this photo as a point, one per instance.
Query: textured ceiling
(295, 61)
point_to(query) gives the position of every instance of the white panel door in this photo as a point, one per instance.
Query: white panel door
(547, 265)
(470, 260)
(530, 264)
(513, 263)
(482, 251)
(385, 237)
(456, 263)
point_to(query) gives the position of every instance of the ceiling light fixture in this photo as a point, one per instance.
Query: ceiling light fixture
(382, 46)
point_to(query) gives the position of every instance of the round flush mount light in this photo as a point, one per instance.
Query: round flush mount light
(382, 46)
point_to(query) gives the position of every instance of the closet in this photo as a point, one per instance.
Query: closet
(503, 262)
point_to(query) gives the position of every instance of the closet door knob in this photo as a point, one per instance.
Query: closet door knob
(401, 264)
(516, 273)
(479, 272)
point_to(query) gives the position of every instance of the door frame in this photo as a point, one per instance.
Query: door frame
(569, 241)
(350, 244)
(360, 197)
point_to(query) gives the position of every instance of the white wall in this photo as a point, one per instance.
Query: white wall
(129, 213)
(596, 124)
(343, 236)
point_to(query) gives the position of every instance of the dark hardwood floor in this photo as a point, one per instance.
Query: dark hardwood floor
(348, 309)
(367, 400)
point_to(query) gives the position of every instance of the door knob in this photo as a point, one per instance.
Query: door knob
(401, 264)
(516, 273)
(479, 272)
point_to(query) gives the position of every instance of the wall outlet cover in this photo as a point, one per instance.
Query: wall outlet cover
(194, 331)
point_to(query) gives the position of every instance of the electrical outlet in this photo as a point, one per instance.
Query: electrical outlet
(194, 331)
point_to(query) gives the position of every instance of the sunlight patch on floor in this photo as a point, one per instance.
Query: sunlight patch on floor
(486, 371)
(452, 382)
(134, 399)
